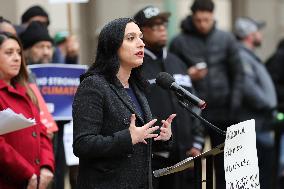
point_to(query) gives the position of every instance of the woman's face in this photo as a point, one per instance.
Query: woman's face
(131, 52)
(10, 59)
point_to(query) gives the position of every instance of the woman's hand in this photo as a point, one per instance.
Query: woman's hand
(45, 178)
(32, 184)
(166, 129)
(139, 134)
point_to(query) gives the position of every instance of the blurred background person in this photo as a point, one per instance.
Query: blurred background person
(37, 44)
(26, 159)
(275, 67)
(6, 26)
(188, 139)
(259, 96)
(33, 13)
(214, 66)
(66, 48)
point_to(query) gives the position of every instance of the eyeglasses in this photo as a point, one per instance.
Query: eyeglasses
(158, 25)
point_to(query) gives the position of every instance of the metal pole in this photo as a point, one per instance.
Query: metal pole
(69, 18)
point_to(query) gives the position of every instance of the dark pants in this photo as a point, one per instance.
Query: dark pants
(265, 162)
(60, 162)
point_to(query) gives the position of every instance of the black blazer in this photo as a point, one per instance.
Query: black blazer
(102, 141)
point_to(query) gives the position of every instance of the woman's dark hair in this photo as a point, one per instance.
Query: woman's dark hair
(23, 76)
(202, 5)
(107, 60)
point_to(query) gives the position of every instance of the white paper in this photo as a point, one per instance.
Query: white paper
(71, 159)
(240, 157)
(11, 121)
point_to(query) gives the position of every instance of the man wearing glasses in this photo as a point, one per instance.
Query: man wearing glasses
(187, 133)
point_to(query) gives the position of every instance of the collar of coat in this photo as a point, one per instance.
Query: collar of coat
(124, 97)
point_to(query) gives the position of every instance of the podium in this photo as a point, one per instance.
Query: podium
(195, 163)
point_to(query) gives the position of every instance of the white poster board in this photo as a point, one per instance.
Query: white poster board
(240, 157)
(71, 159)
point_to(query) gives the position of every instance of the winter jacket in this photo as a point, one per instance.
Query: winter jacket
(221, 87)
(102, 140)
(275, 66)
(187, 131)
(259, 96)
(22, 152)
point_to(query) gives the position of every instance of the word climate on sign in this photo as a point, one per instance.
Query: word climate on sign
(240, 157)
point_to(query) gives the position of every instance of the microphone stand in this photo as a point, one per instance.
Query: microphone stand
(184, 104)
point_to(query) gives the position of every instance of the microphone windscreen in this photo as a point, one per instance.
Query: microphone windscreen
(164, 80)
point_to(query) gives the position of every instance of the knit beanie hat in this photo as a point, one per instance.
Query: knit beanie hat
(60, 37)
(32, 12)
(34, 33)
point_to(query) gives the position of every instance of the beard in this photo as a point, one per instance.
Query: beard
(158, 45)
(44, 60)
(257, 43)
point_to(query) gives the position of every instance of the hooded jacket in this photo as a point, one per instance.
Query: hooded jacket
(221, 87)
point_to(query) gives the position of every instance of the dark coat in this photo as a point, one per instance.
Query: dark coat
(22, 152)
(102, 141)
(187, 130)
(259, 97)
(275, 66)
(221, 88)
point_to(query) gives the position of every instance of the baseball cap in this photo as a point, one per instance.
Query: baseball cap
(148, 14)
(245, 26)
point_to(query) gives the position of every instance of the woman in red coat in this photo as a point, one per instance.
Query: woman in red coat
(26, 155)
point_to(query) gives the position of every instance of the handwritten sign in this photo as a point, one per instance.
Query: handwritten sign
(240, 157)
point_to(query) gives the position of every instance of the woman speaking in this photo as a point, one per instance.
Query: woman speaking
(113, 126)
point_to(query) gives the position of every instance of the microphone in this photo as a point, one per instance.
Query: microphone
(167, 82)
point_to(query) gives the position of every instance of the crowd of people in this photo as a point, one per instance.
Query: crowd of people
(125, 125)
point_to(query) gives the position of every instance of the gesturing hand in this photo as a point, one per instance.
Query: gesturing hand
(139, 134)
(166, 130)
(45, 178)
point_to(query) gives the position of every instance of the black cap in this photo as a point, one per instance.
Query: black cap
(148, 14)
(34, 33)
(34, 11)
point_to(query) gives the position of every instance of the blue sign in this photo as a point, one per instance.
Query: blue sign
(58, 84)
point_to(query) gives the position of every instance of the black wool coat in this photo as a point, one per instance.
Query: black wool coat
(102, 140)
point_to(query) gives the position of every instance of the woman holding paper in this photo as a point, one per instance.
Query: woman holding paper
(26, 155)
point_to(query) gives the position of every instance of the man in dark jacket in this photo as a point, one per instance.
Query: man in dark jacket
(259, 97)
(213, 63)
(187, 132)
(275, 66)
